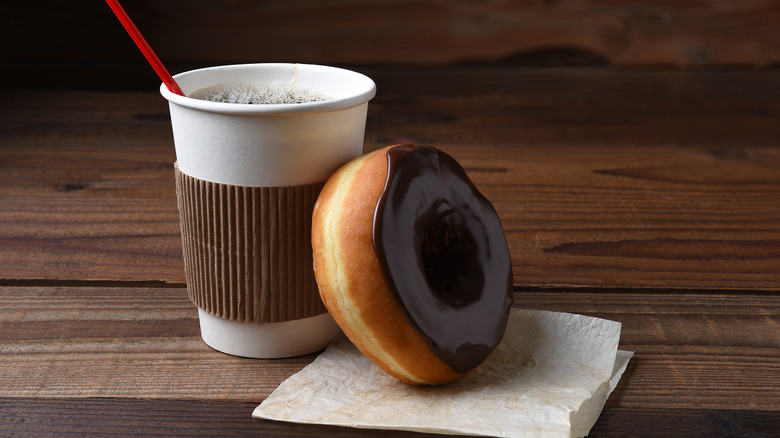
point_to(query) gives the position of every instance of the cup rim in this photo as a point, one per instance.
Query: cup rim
(366, 90)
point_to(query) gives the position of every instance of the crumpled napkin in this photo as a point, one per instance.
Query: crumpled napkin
(550, 377)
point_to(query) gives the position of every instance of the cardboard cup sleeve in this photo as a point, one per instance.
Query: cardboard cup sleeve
(247, 250)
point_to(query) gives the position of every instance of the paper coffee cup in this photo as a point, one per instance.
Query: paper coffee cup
(247, 178)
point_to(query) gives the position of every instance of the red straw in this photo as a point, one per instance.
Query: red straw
(146, 49)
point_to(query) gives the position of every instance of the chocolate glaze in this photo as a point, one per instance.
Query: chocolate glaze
(444, 253)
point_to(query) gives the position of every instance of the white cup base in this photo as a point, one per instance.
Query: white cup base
(270, 340)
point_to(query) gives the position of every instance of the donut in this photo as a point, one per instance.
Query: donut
(412, 263)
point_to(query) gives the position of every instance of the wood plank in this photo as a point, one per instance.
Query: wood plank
(722, 110)
(123, 417)
(409, 32)
(87, 189)
(127, 417)
(570, 220)
(713, 351)
(615, 179)
(656, 422)
(120, 342)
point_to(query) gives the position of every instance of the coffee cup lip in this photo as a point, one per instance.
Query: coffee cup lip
(348, 88)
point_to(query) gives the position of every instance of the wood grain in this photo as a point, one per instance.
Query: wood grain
(123, 417)
(651, 198)
(119, 417)
(606, 178)
(407, 32)
(711, 351)
(87, 189)
(120, 342)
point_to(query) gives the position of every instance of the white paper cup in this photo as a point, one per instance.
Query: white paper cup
(247, 178)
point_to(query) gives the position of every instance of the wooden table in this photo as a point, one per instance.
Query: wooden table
(649, 197)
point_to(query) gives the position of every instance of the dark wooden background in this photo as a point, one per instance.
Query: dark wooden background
(80, 44)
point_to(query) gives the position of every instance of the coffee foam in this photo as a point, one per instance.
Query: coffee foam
(259, 92)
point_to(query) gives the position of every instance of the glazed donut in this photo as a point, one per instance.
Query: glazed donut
(412, 263)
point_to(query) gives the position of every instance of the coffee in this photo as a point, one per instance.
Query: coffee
(258, 93)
